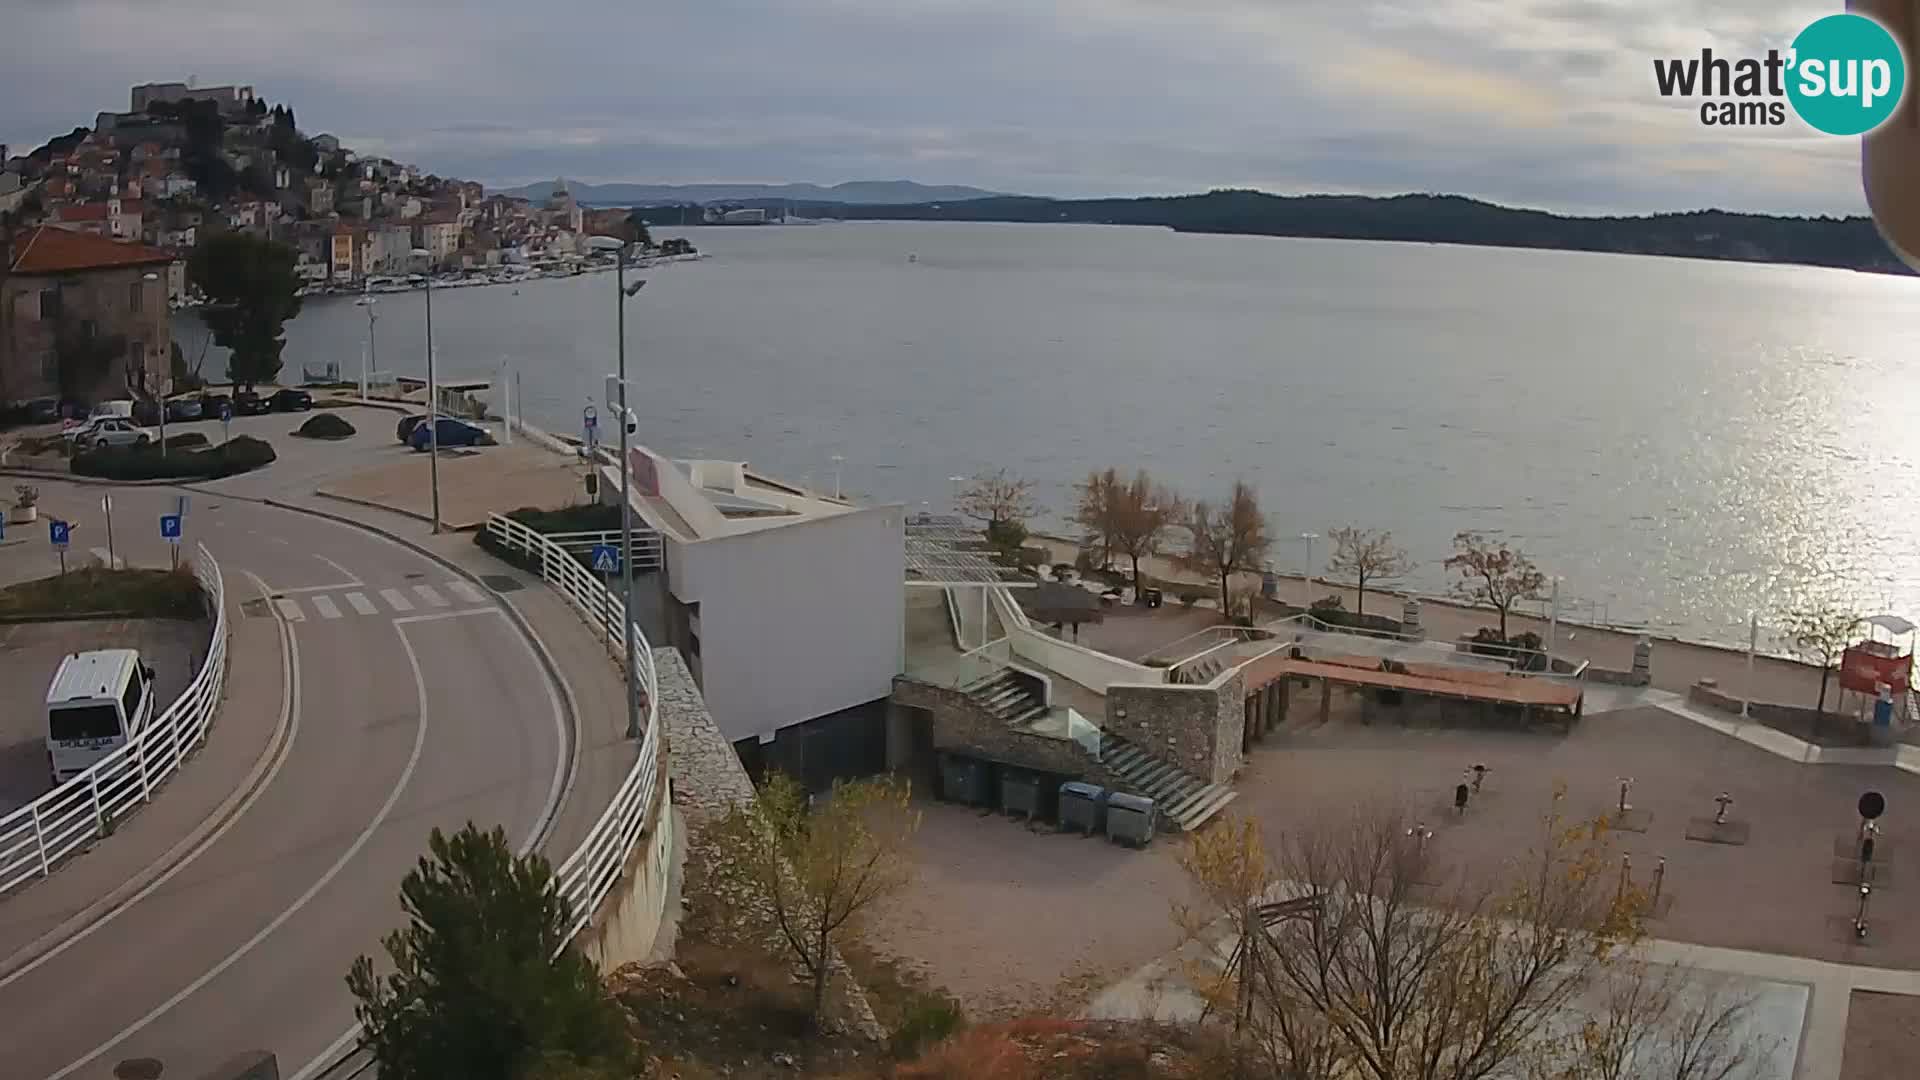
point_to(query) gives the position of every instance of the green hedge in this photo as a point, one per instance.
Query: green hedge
(188, 441)
(241, 454)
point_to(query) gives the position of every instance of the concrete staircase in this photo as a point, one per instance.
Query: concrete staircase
(1183, 798)
(1008, 696)
(1204, 670)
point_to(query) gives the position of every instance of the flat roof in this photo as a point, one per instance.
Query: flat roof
(1454, 683)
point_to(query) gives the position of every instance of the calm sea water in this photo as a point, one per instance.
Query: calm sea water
(1680, 441)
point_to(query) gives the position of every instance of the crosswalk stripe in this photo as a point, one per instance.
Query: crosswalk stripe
(361, 604)
(290, 609)
(433, 598)
(465, 591)
(325, 606)
(396, 600)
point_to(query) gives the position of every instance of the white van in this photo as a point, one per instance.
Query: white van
(97, 702)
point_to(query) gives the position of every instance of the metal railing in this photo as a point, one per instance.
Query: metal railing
(594, 868)
(34, 838)
(647, 553)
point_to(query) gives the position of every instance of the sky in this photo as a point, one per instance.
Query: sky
(1543, 103)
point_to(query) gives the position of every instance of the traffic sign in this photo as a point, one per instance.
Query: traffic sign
(226, 411)
(606, 559)
(59, 531)
(170, 527)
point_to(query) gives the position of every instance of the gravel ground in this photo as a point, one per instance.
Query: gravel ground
(1883, 1037)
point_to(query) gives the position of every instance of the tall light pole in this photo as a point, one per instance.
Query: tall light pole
(620, 296)
(162, 380)
(433, 396)
(370, 358)
(1306, 575)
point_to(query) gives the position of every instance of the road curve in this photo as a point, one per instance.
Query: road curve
(413, 702)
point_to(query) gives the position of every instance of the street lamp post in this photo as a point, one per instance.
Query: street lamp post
(621, 294)
(433, 397)
(1306, 575)
(371, 357)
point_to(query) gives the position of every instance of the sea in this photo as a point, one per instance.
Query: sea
(1684, 444)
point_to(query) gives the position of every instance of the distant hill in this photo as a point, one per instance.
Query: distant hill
(866, 192)
(1849, 243)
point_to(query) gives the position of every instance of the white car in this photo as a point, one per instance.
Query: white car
(105, 431)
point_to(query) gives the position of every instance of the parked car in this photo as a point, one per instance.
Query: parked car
(451, 432)
(43, 410)
(146, 412)
(210, 405)
(120, 407)
(290, 400)
(404, 429)
(184, 409)
(108, 431)
(248, 403)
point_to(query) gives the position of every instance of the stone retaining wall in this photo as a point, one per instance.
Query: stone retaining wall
(1197, 727)
(709, 781)
(960, 724)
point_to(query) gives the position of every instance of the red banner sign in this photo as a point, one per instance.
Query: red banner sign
(1864, 671)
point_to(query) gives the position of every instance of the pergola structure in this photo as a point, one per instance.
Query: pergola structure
(941, 555)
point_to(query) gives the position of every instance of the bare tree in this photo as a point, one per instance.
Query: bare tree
(1094, 511)
(818, 869)
(1821, 630)
(1646, 1021)
(1142, 513)
(997, 497)
(1227, 540)
(1398, 980)
(1492, 573)
(1366, 555)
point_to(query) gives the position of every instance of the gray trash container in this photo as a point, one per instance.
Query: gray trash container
(1083, 806)
(963, 780)
(1130, 818)
(1020, 793)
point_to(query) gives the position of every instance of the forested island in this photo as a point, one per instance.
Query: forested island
(1849, 243)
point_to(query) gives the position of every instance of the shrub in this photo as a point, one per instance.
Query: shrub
(187, 441)
(1006, 536)
(323, 425)
(1330, 603)
(1062, 569)
(928, 1019)
(239, 455)
(1190, 597)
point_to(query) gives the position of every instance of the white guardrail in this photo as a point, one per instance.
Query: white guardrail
(34, 838)
(591, 872)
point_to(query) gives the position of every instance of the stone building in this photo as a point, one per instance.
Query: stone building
(93, 285)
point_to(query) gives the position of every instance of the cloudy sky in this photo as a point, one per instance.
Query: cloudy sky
(1546, 103)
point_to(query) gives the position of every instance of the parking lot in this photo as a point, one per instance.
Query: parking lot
(31, 652)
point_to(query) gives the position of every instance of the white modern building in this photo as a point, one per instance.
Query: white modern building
(787, 604)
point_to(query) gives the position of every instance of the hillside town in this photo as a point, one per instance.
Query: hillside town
(96, 226)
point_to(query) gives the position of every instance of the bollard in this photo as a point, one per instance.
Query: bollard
(1625, 783)
(1860, 920)
(1626, 872)
(1659, 881)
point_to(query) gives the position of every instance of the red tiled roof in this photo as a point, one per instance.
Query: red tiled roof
(50, 250)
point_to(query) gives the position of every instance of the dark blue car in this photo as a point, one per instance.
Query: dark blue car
(452, 432)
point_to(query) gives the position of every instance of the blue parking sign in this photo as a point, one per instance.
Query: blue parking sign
(170, 527)
(58, 531)
(606, 559)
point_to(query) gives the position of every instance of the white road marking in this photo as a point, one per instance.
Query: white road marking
(336, 587)
(361, 604)
(290, 609)
(289, 718)
(352, 578)
(396, 600)
(439, 615)
(347, 856)
(465, 591)
(432, 597)
(325, 606)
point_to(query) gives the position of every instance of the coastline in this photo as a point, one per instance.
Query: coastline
(1678, 663)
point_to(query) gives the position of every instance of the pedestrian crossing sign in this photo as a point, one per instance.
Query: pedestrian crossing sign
(606, 559)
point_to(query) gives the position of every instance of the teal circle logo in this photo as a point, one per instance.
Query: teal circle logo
(1848, 74)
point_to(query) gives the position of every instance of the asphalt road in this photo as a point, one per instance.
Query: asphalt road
(413, 703)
